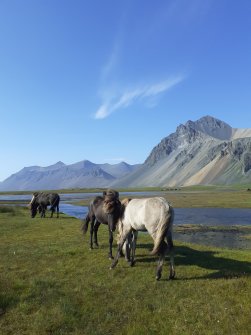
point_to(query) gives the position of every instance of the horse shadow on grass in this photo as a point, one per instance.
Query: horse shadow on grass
(223, 267)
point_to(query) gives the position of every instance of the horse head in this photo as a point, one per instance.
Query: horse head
(33, 208)
(112, 207)
(33, 204)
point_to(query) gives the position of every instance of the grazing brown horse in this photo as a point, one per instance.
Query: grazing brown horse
(106, 210)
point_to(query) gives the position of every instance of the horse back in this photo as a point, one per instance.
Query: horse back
(144, 214)
(96, 209)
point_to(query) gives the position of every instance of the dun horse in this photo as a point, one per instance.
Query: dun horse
(154, 215)
(104, 210)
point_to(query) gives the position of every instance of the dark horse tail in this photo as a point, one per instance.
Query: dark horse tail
(86, 223)
(55, 202)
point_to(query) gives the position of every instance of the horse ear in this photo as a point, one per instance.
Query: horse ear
(125, 201)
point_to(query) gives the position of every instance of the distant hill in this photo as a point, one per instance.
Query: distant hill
(207, 151)
(62, 176)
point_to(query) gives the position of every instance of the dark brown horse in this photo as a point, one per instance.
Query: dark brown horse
(106, 210)
(41, 200)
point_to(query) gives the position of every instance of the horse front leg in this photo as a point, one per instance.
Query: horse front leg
(120, 246)
(133, 247)
(43, 212)
(127, 247)
(95, 230)
(110, 244)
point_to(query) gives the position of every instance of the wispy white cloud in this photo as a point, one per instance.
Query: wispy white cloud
(111, 63)
(127, 98)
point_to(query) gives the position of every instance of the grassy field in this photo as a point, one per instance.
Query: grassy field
(51, 283)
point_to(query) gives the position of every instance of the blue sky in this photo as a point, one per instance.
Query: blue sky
(107, 80)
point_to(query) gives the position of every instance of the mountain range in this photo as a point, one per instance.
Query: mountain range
(61, 176)
(206, 151)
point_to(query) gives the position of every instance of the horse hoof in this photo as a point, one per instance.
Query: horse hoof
(111, 257)
(158, 276)
(113, 265)
(132, 263)
(171, 277)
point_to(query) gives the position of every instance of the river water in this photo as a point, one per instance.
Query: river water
(205, 217)
(210, 217)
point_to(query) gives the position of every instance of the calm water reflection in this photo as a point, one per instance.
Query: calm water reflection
(213, 216)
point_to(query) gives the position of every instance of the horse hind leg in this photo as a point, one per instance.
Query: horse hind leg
(162, 253)
(52, 209)
(170, 250)
(91, 233)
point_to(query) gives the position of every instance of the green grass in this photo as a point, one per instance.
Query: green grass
(51, 283)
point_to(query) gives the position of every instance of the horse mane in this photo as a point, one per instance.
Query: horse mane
(34, 196)
(124, 203)
(111, 200)
(98, 199)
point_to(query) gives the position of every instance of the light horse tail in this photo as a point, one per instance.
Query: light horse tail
(164, 230)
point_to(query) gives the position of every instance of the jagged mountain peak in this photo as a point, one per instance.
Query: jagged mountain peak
(184, 136)
(212, 126)
(85, 164)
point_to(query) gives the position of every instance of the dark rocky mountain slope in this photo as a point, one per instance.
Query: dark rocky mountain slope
(207, 151)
